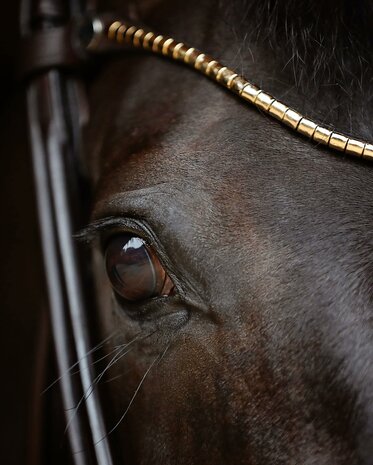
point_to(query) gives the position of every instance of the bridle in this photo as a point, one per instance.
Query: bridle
(56, 113)
(125, 33)
(55, 46)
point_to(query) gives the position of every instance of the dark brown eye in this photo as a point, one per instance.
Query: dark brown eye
(134, 269)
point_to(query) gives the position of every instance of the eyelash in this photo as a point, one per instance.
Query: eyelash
(101, 231)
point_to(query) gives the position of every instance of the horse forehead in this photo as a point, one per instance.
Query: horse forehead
(178, 122)
(221, 164)
(181, 130)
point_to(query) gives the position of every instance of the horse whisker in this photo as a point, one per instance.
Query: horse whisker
(157, 359)
(121, 352)
(94, 349)
(101, 358)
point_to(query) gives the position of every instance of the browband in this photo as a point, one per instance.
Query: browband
(123, 33)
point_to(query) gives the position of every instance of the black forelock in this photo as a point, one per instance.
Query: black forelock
(326, 42)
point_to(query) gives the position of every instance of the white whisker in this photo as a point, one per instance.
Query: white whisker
(94, 349)
(157, 359)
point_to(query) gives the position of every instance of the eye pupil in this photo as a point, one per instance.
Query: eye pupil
(134, 270)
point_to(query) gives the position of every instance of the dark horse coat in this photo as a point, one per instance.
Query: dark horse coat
(263, 354)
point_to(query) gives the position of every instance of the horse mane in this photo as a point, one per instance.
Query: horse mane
(325, 42)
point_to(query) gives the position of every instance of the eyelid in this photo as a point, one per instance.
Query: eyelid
(104, 229)
(107, 234)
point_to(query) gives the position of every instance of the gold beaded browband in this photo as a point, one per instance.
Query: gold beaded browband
(122, 33)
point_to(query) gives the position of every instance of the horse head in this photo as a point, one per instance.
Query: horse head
(233, 260)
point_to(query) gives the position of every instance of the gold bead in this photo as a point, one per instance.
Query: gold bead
(338, 141)
(321, 135)
(179, 51)
(263, 101)
(168, 46)
(158, 44)
(112, 30)
(120, 33)
(368, 152)
(249, 92)
(306, 127)
(230, 80)
(139, 34)
(278, 109)
(202, 62)
(199, 61)
(237, 84)
(355, 147)
(190, 56)
(225, 76)
(292, 118)
(128, 37)
(213, 68)
(219, 73)
(147, 41)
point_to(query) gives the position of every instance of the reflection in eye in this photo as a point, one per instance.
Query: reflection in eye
(134, 269)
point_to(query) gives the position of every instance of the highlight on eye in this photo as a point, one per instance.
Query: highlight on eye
(134, 269)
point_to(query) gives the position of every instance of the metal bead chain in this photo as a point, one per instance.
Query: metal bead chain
(137, 37)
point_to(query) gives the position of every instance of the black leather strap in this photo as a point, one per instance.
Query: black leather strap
(57, 47)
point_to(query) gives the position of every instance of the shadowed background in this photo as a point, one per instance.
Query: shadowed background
(21, 289)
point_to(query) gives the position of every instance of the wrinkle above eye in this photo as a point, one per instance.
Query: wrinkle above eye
(142, 201)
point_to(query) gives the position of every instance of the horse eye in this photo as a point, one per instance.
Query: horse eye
(134, 270)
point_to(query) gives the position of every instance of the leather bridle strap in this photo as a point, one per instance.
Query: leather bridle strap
(48, 49)
(56, 111)
(124, 33)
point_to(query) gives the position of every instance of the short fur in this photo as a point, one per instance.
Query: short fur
(268, 238)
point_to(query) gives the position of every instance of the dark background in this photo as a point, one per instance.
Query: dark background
(20, 270)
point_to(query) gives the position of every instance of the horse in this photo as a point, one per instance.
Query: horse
(232, 259)
(262, 354)
(261, 351)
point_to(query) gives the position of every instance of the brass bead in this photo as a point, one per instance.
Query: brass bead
(199, 61)
(158, 44)
(139, 34)
(263, 101)
(219, 73)
(202, 62)
(231, 79)
(213, 68)
(128, 36)
(225, 76)
(292, 118)
(249, 92)
(368, 152)
(338, 141)
(209, 65)
(237, 84)
(321, 135)
(120, 33)
(306, 127)
(168, 46)
(355, 147)
(148, 39)
(190, 56)
(278, 109)
(179, 51)
(112, 30)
